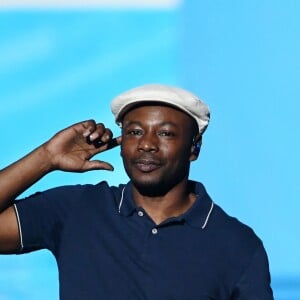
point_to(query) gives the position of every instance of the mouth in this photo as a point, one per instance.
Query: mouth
(147, 165)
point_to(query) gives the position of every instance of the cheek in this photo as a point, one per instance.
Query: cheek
(185, 154)
(127, 149)
(122, 151)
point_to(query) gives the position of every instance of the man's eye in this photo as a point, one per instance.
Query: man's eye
(134, 132)
(166, 133)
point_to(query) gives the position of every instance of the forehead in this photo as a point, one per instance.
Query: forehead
(157, 112)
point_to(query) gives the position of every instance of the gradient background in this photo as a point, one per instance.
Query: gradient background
(62, 65)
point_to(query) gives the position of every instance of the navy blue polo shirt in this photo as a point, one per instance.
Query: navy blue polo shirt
(108, 248)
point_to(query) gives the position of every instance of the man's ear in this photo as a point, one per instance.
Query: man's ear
(196, 146)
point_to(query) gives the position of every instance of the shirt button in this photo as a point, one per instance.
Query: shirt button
(140, 213)
(154, 231)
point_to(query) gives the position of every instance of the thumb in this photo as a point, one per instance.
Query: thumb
(97, 165)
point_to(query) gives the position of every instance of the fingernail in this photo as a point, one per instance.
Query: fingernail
(93, 136)
(104, 138)
(86, 133)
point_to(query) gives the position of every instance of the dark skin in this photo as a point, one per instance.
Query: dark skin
(69, 150)
(156, 150)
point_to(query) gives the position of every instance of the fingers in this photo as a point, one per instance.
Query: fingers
(95, 132)
(99, 135)
(119, 140)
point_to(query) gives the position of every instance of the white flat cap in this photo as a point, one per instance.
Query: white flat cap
(173, 96)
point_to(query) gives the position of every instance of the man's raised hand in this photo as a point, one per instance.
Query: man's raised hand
(72, 148)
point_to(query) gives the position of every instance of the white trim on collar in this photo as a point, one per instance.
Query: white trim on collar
(208, 215)
(122, 197)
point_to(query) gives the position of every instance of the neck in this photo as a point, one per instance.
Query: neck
(172, 204)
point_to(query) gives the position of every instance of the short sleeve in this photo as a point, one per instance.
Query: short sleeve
(255, 282)
(41, 217)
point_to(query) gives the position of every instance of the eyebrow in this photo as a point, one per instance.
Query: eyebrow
(129, 123)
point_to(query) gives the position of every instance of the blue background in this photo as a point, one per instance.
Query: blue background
(241, 57)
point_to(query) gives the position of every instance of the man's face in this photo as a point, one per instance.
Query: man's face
(156, 147)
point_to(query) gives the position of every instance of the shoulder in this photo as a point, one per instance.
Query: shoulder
(237, 242)
(232, 229)
(233, 236)
(72, 196)
(45, 216)
(227, 227)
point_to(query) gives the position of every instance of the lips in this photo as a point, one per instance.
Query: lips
(147, 165)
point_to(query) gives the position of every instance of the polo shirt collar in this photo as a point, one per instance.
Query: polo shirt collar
(199, 213)
(126, 204)
(196, 216)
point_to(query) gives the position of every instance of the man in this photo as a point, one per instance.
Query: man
(158, 237)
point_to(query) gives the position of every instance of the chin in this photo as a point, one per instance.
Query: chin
(152, 188)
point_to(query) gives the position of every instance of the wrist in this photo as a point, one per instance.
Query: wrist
(45, 159)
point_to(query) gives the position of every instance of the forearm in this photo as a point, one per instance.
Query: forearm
(68, 150)
(19, 176)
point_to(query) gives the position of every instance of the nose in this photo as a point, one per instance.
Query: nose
(148, 143)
